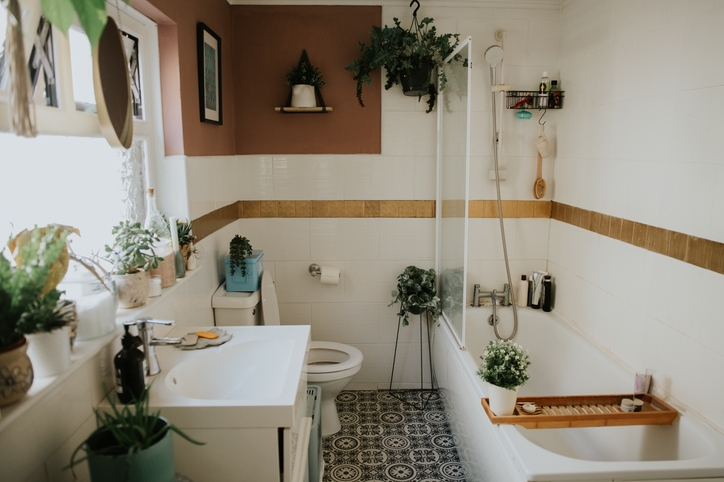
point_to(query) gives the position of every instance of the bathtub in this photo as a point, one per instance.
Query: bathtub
(564, 363)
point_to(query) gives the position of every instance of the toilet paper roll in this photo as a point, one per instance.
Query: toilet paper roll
(330, 275)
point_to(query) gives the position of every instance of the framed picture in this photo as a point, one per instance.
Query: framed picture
(209, 45)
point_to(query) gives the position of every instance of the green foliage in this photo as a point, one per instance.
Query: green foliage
(91, 13)
(132, 249)
(184, 233)
(416, 291)
(305, 73)
(505, 364)
(239, 250)
(399, 51)
(132, 428)
(26, 304)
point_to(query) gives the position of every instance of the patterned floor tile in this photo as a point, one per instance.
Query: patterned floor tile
(385, 439)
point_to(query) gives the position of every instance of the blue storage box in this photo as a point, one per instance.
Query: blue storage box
(254, 270)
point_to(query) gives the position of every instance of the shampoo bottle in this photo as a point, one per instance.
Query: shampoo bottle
(130, 378)
(522, 299)
(547, 294)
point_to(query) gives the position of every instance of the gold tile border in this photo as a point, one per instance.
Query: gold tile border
(700, 252)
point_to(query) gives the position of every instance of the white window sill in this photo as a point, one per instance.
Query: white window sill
(82, 352)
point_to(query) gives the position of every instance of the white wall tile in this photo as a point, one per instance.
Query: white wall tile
(255, 178)
(347, 239)
(282, 239)
(295, 285)
(308, 177)
(409, 238)
(375, 177)
(295, 313)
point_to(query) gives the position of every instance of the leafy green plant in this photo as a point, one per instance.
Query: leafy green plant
(305, 73)
(400, 51)
(126, 431)
(27, 299)
(505, 364)
(184, 233)
(239, 250)
(416, 292)
(91, 13)
(132, 249)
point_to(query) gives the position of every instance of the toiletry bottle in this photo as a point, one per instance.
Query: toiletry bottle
(545, 84)
(535, 300)
(130, 378)
(530, 291)
(522, 299)
(547, 294)
(554, 98)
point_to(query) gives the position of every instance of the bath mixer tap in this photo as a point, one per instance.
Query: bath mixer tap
(494, 295)
(145, 332)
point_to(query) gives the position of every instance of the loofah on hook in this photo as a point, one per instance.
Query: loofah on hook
(542, 144)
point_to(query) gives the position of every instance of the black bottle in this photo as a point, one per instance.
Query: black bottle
(547, 294)
(130, 379)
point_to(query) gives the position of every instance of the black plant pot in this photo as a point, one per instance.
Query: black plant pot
(416, 81)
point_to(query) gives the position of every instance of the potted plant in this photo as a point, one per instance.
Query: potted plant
(305, 79)
(416, 293)
(505, 368)
(130, 444)
(408, 56)
(27, 295)
(239, 249)
(132, 255)
(185, 238)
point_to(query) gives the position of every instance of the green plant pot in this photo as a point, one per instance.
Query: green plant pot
(416, 82)
(154, 464)
(415, 310)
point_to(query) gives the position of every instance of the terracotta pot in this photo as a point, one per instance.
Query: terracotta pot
(50, 352)
(502, 400)
(16, 372)
(133, 289)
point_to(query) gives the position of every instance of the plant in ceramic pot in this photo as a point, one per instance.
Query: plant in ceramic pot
(505, 368)
(185, 238)
(28, 299)
(239, 250)
(416, 293)
(132, 255)
(304, 78)
(409, 58)
(130, 444)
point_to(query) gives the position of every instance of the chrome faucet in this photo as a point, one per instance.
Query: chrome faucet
(145, 332)
(494, 295)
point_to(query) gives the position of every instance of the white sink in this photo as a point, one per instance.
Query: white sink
(253, 380)
(250, 370)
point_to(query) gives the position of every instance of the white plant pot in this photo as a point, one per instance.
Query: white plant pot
(502, 400)
(303, 96)
(50, 352)
(133, 289)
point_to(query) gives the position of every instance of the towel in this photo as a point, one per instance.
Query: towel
(204, 342)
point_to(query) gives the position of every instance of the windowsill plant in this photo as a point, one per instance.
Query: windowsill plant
(416, 293)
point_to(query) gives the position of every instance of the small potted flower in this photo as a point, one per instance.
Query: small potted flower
(132, 255)
(505, 368)
(416, 293)
(305, 79)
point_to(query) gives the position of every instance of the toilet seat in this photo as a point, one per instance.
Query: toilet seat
(326, 357)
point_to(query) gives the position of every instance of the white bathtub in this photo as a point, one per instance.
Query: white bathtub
(564, 363)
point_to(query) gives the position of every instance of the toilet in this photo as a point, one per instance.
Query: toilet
(330, 365)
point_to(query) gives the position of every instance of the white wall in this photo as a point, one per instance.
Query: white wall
(638, 139)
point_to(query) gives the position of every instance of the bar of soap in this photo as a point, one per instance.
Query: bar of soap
(207, 334)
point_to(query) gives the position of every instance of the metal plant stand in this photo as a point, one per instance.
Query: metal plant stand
(426, 394)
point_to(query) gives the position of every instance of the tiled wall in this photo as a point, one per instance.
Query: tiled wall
(638, 140)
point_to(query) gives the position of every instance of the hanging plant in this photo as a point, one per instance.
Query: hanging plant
(239, 250)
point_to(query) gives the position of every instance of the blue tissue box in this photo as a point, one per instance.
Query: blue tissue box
(254, 270)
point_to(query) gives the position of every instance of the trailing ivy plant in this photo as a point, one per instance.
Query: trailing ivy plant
(416, 293)
(239, 250)
(399, 51)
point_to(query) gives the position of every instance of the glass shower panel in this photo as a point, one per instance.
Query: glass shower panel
(453, 161)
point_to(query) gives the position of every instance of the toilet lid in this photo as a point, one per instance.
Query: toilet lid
(330, 357)
(269, 306)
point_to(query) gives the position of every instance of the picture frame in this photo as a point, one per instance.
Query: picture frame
(209, 67)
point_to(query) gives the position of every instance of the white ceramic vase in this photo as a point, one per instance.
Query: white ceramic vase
(303, 96)
(50, 352)
(501, 400)
(133, 289)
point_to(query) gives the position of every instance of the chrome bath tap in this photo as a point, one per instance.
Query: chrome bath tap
(145, 332)
(495, 295)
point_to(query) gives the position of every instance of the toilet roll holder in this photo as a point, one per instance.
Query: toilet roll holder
(315, 269)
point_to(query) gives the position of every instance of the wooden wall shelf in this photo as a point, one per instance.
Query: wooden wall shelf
(303, 110)
(586, 411)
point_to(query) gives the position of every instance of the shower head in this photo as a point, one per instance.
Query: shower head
(493, 56)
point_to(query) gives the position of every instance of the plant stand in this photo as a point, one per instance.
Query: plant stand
(426, 394)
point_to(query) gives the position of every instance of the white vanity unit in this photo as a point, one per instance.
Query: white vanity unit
(246, 399)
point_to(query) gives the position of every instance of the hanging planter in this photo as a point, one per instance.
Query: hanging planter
(408, 56)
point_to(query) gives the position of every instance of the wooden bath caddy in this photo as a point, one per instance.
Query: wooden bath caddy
(586, 411)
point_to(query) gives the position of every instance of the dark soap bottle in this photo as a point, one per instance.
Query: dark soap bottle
(130, 379)
(547, 303)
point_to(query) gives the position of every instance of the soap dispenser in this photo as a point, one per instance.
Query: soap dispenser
(130, 373)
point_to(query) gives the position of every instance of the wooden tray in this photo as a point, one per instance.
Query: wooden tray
(586, 411)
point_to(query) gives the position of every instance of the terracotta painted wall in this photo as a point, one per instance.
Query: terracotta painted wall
(267, 41)
(183, 130)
